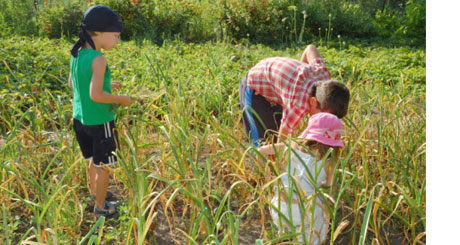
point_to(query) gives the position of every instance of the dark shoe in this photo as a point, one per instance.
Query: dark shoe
(109, 210)
(92, 199)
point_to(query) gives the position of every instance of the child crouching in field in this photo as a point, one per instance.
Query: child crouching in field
(307, 171)
(93, 119)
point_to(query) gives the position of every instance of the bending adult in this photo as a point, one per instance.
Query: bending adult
(278, 92)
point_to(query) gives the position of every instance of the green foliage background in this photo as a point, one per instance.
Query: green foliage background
(259, 21)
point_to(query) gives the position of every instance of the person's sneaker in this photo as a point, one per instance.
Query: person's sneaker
(109, 210)
(92, 199)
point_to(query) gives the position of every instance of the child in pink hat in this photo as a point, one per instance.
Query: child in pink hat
(305, 170)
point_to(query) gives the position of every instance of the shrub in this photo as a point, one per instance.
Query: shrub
(171, 18)
(262, 21)
(278, 21)
(135, 23)
(60, 19)
(16, 17)
(387, 22)
(154, 19)
(344, 17)
(409, 25)
(414, 23)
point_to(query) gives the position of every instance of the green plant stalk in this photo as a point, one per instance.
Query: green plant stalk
(140, 186)
(59, 186)
(217, 215)
(5, 224)
(295, 24)
(344, 184)
(93, 240)
(303, 27)
(329, 32)
(379, 135)
(365, 225)
(99, 222)
(101, 231)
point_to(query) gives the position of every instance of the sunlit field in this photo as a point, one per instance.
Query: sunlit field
(186, 172)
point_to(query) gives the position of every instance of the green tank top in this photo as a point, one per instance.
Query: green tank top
(85, 110)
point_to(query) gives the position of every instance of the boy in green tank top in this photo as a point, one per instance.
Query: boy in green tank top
(93, 120)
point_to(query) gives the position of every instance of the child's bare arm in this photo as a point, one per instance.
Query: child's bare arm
(267, 150)
(271, 149)
(69, 82)
(97, 81)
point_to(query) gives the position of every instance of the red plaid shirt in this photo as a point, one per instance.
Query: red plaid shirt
(287, 82)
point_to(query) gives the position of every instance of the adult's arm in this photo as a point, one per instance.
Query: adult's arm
(309, 54)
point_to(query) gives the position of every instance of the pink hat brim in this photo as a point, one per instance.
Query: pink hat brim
(325, 140)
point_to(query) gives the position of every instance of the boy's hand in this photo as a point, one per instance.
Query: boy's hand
(115, 85)
(126, 100)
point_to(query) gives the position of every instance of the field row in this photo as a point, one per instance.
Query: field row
(186, 170)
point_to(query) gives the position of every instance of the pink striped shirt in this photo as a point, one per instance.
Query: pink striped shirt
(287, 82)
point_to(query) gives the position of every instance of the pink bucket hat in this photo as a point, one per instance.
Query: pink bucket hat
(324, 128)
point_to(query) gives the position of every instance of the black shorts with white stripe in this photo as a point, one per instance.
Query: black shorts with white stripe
(97, 141)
